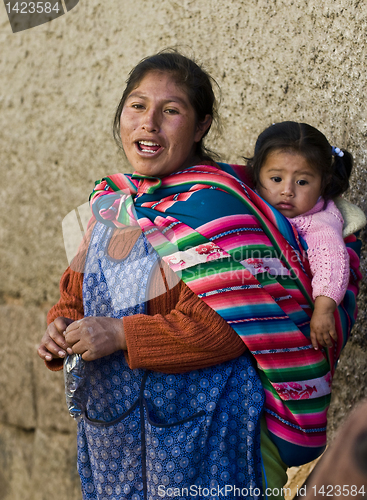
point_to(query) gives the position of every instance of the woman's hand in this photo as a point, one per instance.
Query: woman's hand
(323, 323)
(95, 337)
(53, 343)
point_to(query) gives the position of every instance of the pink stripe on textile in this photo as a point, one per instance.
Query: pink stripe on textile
(290, 306)
(277, 290)
(178, 229)
(287, 360)
(227, 224)
(244, 174)
(146, 224)
(232, 241)
(153, 234)
(160, 234)
(164, 222)
(295, 436)
(282, 341)
(184, 196)
(252, 238)
(242, 297)
(195, 187)
(120, 180)
(227, 279)
(207, 173)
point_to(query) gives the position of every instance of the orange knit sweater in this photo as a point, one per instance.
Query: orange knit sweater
(179, 332)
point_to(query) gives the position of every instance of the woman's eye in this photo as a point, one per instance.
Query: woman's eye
(171, 111)
(137, 106)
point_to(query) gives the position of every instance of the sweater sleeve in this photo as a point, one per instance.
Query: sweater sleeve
(70, 305)
(327, 253)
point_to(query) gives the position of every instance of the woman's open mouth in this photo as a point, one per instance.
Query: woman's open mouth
(148, 146)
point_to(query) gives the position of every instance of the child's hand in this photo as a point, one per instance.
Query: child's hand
(323, 323)
(53, 343)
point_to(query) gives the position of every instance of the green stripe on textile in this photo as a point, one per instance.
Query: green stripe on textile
(210, 269)
(111, 184)
(190, 241)
(315, 405)
(298, 373)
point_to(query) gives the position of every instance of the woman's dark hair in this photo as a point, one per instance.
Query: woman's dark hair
(335, 168)
(189, 75)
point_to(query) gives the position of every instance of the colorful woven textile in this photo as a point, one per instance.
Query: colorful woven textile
(243, 258)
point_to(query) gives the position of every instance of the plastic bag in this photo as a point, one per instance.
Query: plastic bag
(76, 391)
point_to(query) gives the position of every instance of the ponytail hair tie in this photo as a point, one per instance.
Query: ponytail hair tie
(337, 152)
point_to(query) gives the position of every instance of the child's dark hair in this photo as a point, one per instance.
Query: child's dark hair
(196, 82)
(334, 165)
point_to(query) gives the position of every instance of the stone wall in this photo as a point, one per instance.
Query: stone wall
(59, 85)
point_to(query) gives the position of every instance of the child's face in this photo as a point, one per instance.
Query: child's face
(289, 183)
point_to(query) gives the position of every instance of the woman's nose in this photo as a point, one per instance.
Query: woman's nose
(150, 121)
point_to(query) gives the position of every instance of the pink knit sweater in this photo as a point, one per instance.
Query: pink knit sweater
(327, 254)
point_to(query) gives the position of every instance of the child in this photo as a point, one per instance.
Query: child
(297, 171)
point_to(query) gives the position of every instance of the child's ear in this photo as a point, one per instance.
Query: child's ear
(202, 127)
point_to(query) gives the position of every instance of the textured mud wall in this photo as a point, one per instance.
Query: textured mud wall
(59, 86)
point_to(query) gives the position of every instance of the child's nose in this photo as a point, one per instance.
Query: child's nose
(288, 189)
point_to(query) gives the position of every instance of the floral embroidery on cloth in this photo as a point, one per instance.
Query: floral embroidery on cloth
(270, 265)
(305, 389)
(196, 255)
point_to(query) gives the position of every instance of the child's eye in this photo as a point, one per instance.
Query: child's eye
(276, 179)
(302, 182)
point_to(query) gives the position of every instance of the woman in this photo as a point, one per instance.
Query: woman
(146, 434)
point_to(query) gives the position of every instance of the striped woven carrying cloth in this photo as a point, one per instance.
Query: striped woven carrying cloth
(244, 259)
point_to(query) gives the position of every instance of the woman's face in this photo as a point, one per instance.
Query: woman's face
(158, 125)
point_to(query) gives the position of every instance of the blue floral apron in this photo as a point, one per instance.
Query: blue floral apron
(148, 435)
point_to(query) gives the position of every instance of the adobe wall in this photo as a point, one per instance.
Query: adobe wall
(59, 85)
